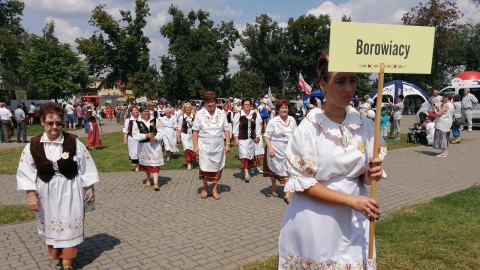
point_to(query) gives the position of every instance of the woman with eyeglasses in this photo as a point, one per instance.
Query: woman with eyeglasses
(58, 175)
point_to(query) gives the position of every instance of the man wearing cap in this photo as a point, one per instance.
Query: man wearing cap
(469, 102)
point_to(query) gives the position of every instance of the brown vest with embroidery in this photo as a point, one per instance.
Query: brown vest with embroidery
(243, 128)
(185, 124)
(45, 169)
(145, 130)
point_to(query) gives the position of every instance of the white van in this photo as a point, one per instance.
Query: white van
(458, 86)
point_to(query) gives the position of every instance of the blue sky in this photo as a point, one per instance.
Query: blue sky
(71, 16)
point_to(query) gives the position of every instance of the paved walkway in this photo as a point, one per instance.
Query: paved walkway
(135, 227)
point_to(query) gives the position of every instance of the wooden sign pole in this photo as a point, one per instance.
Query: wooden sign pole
(376, 141)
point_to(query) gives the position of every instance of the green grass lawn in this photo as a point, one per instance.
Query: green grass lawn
(113, 155)
(441, 234)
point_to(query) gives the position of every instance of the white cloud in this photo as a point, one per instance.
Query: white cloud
(469, 10)
(67, 33)
(62, 6)
(367, 11)
(227, 12)
(157, 48)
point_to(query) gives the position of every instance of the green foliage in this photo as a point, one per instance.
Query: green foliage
(247, 84)
(121, 51)
(57, 71)
(146, 82)
(198, 53)
(434, 235)
(11, 32)
(444, 16)
(469, 41)
(15, 213)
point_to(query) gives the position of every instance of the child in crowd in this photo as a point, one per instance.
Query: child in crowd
(384, 124)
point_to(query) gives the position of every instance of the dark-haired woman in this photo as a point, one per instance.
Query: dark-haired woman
(128, 138)
(278, 133)
(210, 129)
(247, 132)
(329, 161)
(149, 133)
(58, 174)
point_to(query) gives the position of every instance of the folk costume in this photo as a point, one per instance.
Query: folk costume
(94, 138)
(279, 133)
(59, 171)
(169, 127)
(185, 124)
(211, 147)
(131, 142)
(313, 232)
(247, 128)
(150, 155)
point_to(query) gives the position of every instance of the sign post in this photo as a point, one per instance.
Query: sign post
(361, 47)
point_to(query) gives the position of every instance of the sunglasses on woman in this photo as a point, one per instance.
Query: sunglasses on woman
(51, 123)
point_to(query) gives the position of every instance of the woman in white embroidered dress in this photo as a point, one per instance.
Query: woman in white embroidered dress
(209, 129)
(329, 161)
(247, 132)
(169, 123)
(278, 133)
(128, 138)
(184, 133)
(149, 132)
(59, 203)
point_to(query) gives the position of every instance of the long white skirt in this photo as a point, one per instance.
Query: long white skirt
(211, 152)
(171, 139)
(246, 148)
(61, 213)
(132, 148)
(150, 154)
(187, 141)
(326, 234)
(259, 149)
(277, 164)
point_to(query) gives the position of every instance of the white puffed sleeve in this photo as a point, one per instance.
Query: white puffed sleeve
(236, 124)
(161, 135)
(26, 172)
(258, 124)
(302, 159)
(87, 169)
(125, 126)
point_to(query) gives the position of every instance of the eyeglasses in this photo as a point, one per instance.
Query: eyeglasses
(51, 123)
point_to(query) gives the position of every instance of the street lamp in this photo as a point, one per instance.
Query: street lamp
(1, 82)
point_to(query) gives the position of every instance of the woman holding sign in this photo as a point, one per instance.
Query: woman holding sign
(329, 162)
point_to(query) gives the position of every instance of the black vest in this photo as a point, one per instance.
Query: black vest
(145, 130)
(243, 128)
(185, 124)
(45, 169)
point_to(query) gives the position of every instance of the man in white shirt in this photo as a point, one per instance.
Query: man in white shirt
(70, 111)
(7, 122)
(469, 102)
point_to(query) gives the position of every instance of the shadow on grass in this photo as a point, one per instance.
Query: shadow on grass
(93, 247)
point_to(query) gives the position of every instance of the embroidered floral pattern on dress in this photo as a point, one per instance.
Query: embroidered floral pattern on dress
(294, 262)
(60, 225)
(353, 121)
(307, 167)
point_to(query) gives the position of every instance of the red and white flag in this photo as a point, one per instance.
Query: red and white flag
(304, 85)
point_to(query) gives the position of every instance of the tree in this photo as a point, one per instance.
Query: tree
(198, 53)
(265, 54)
(247, 84)
(469, 39)
(56, 71)
(11, 32)
(116, 50)
(146, 82)
(444, 16)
